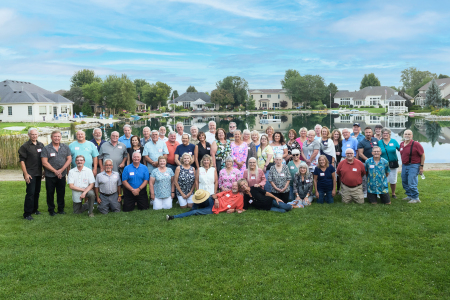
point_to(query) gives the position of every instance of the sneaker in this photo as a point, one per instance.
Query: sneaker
(168, 218)
(406, 198)
(394, 196)
(414, 201)
(365, 195)
(37, 212)
(29, 218)
(91, 215)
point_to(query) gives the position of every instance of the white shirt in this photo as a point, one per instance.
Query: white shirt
(180, 136)
(165, 139)
(81, 179)
(210, 137)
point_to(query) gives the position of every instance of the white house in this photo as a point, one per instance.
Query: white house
(25, 102)
(368, 96)
(444, 86)
(193, 100)
(269, 98)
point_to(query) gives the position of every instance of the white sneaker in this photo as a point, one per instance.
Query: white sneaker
(414, 201)
(406, 198)
(365, 195)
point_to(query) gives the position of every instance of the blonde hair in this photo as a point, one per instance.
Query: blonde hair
(325, 127)
(182, 157)
(206, 156)
(161, 157)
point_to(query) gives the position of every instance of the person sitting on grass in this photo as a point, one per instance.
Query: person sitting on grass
(204, 204)
(303, 187)
(261, 199)
(377, 172)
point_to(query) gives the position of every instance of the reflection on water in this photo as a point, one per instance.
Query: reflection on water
(434, 136)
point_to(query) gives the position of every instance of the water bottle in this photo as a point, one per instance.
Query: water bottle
(423, 176)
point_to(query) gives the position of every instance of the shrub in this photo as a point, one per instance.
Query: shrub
(334, 105)
(121, 115)
(371, 106)
(351, 105)
(83, 122)
(140, 114)
(444, 112)
(380, 106)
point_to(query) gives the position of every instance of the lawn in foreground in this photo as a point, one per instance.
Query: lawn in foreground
(320, 252)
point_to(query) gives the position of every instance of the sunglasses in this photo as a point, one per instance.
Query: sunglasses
(295, 154)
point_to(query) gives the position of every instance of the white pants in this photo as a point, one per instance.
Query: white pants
(162, 203)
(392, 178)
(184, 202)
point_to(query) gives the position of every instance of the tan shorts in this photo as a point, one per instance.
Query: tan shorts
(348, 194)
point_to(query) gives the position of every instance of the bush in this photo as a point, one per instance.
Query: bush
(380, 106)
(86, 109)
(121, 115)
(140, 114)
(334, 105)
(236, 109)
(371, 106)
(444, 112)
(83, 122)
(351, 105)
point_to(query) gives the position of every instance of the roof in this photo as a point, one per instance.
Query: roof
(139, 103)
(266, 91)
(396, 97)
(12, 91)
(367, 91)
(199, 102)
(447, 97)
(442, 83)
(191, 97)
(61, 92)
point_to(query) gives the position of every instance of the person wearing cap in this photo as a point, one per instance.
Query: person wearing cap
(357, 132)
(378, 135)
(413, 158)
(365, 147)
(206, 204)
(348, 142)
(260, 199)
(351, 172)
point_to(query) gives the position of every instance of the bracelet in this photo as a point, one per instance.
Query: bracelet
(421, 166)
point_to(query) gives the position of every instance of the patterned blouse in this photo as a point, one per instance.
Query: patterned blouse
(303, 187)
(376, 176)
(226, 180)
(186, 180)
(294, 145)
(281, 178)
(223, 151)
(239, 153)
(278, 150)
(262, 156)
(163, 182)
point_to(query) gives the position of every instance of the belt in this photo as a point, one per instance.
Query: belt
(108, 194)
(351, 186)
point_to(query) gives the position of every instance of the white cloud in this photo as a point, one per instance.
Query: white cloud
(160, 63)
(116, 49)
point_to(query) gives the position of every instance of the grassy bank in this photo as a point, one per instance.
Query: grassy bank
(320, 252)
(29, 124)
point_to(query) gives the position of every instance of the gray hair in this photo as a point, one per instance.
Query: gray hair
(246, 131)
(256, 168)
(279, 155)
(237, 130)
(155, 131)
(184, 135)
(318, 125)
(162, 127)
(311, 131)
(179, 123)
(93, 131)
(136, 153)
(146, 127)
(108, 159)
(29, 130)
(305, 166)
(80, 131)
(255, 132)
(376, 147)
(386, 130)
(345, 129)
(126, 125)
(229, 158)
(115, 132)
(353, 151)
(172, 133)
(185, 154)
(210, 122)
(194, 127)
(303, 128)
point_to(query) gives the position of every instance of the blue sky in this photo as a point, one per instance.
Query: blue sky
(198, 42)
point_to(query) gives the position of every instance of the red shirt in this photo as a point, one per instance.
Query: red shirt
(351, 174)
(171, 155)
(416, 155)
(229, 200)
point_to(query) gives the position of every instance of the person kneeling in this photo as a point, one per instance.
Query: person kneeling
(134, 180)
(261, 199)
(81, 181)
(229, 201)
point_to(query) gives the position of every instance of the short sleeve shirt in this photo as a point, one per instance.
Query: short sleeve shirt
(56, 159)
(389, 150)
(116, 153)
(155, 150)
(280, 179)
(367, 146)
(108, 183)
(376, 176)
(87, 149)
(324, 178)
(30, 154)
(81, 179)
(163, 183)
(181, 149)
(417, 152)
(126, 141)
(135, 176)
(351, 143)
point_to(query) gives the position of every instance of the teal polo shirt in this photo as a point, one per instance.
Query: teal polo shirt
(389, 150)
(87, 149)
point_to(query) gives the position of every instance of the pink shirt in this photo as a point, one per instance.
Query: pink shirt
(258, 179)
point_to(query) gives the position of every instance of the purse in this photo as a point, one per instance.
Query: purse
(392, 164)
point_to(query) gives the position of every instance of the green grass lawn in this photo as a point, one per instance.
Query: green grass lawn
(333, 251)
(38, 124)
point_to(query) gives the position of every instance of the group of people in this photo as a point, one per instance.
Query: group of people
(215, 171)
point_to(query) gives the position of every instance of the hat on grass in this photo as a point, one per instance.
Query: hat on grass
(200, 196)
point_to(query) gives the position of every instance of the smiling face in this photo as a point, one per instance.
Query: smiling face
(212, 127)
(98, 134)
(234, 187)
(246, 136)
(81, 137)
(114, 137)
(356, 130)
(263, 140)
(277, 137)
(221, 134)
(146, 133)
(162, 131)
(162, 162)
(322, 162)
(108, 166)
(135, 141)
(324, 133)
(407, 135)
(346, 134)
(291, 136)
(311, 137)
(336, 135)
(255, 137)
(172, 138)
(237, 136)
(155, 136)
(180, 128)
(194, 131)
(303, 133)
(33, 135)
(303, 170)
(386, 135)
(127, 131)
(186, 160)
(185, 139)
(229, 164)
(56, 138)
(79, 161)
(317, 129)
(252, 164)
(368, 134)
(201, 137)
(136, 158)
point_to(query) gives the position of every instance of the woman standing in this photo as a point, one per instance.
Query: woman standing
(292, 144)
(228, 175)
(279, 178)
(239, 152)
(279, 146)
(265, 159)
(185, 181)
(303, 132)
(337, 141)
(327, 145)
(162, 187)
(255, 141)
(135, 147)
(310, 150)
(207, 178)
(293, 166)
(201, 149)
(324, 181)
(269, 132)
(254, 175)
(220, 149)
(389, 148)
(251, 148)
(303, 186)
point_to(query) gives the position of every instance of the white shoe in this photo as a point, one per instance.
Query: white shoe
(407, 198)
(365, 195)
(414, 201)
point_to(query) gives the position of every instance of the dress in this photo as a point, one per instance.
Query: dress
(223, 151)
(239, 153)
(226, 180)
(186, 180)
(206, 179)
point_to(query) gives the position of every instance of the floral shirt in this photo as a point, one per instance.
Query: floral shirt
(279, 150)
(223, 151)
(186, 180)
(226, 180)
(281, 178)
(163, 182)
(376, 176)
(262, 156)
(239, 153)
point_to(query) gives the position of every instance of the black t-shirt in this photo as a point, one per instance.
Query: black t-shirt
(130, 153)
(230, 136)
(259, 199)
(202, 151)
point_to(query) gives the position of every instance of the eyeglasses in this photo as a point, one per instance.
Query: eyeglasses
(295, 154)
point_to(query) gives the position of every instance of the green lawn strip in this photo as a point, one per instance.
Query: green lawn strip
(321, 252)
(26, 124)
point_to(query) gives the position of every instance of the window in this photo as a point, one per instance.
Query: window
(374, 118)
(276, 117)
(345, 102)
(187, 122)
(251, 96)
(279, 96)
(55, 110)
(358, 102)
(275, 105)
(186, 104)
(345, 119)
(9, 110)
(358, 118)
(269, 96)
(260, 96)
(64, 109)
(264, 105)
(42, 110)
(30, 110)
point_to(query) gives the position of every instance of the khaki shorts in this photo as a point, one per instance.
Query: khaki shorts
(348, 194)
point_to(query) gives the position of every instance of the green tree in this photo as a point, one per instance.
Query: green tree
(191, 89)
(442, 76)
(83, 77)
(308, 89)
(156, 94)
(331, 89)
(120, 93)
(207, 93)
(139, 84)
(394, 88)
(1, 109)
(86, 109)
(75, 94)
(236, 86)
(289, 73)
(93, 92)
(369, 80)
(222, 97)
(412, 79)
(174, 95)
(433, 95)
(432, 131)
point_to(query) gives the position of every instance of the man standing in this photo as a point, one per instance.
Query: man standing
(81, 181)
(183, 148)
(114, 150)
(231, 128)
(194, 135)
(162, 134)
(85, 148)
(377, 172)
(125, 138)
(56, 158)
(365, 147)
(351, 172)
(153, 150)
(134, 180)
(107, 189)
(180, 132)
(413, 158)
(211, 134)
(172, 145)
(97, 140)
(31, 164)
(146, 132)
(318, 131)
(357, 132)
(348, 142)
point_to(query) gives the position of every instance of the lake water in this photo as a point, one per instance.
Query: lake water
(433, 136)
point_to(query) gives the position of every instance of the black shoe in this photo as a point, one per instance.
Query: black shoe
(168, 218)
(29, 218)
(52, 214)
(61, 212)
(37, 212)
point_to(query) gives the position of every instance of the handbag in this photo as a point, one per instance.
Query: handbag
(392, 164)
(270, 165)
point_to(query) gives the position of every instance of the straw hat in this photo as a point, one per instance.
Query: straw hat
(200, 196)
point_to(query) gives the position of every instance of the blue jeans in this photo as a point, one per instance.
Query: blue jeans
(325, 195)
(291, 193)
(195, 211)
(280, 207)
(268, 186)
(410, 179)
(173, 167)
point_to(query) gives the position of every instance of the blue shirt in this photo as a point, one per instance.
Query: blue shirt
(392, 147)
(126, 141)
(351, 143)
(359, 138)
(367, 146)
(93, 141)
(135, 176)
(153, 151)
(376, 176)
(143, 141)
(324, 179)
(181, 149)
(87, 149)
(163, 183)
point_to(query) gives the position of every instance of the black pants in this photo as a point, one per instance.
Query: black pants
(282, 196)
(383, 197)
(129, 199)
(52, 184)
(218, 166)
(31, 204)
(338, 182)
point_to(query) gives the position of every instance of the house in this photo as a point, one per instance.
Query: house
(396, 123)
(25, 102)
(270, 98)
(193, 100)
(444, 86)
(368, 96)
(140, 106)
(396, 105)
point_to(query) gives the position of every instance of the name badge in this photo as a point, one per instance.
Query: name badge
(325, 143)
(375, 143)
(401, 149)
(372, 166)
(248, 148)
(229, 206)
(391, 144)
(52, 154)
(190, 171)
(253, 177)
(120, 147)
(202, 172)
(355, 169)
(307, 181)
(348, 145)
(165, 174)
(39, 150)
(190, 153)
(159, 150)
(114, 176)
(138, 150)
(227, 195)
(282, 175)
(131, 173)
(250, 201)
(85, 180)
(322, 174)
(207, 148)
(292, 167)
(77, 148)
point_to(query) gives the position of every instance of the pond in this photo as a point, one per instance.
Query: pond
(433, 136)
